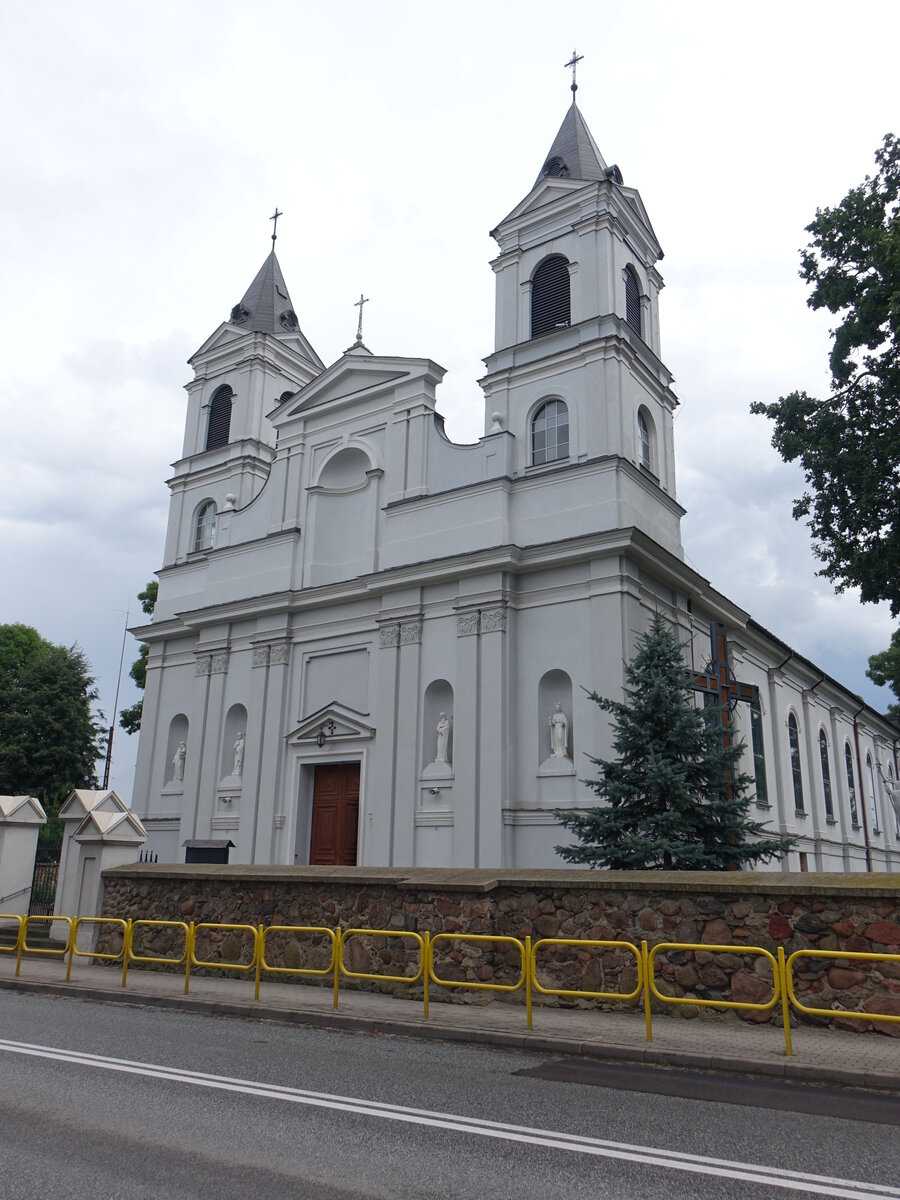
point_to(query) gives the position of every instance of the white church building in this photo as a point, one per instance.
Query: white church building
(371, 645)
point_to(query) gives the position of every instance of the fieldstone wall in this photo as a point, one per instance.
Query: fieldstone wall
(815, 912)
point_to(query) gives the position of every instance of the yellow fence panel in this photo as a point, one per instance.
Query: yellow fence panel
(422, 970)
(19, 920)
(837, 955)
(55, 951)
(193, 961)
(74, 952)
(588, 995)
(524, 979)
(131, 957)
(312, 971)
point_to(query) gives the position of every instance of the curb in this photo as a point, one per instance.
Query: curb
(650, 1056)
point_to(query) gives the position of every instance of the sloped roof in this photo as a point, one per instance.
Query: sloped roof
(574, 153)
(85, 800)
(21, 810)
(99, 826)
(266, 306)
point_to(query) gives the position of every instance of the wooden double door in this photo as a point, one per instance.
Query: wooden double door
(335, 816)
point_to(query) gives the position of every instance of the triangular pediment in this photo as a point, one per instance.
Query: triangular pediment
(111, 827)
(21, 810)
(545, 191)
(234, 337)
(85, 800)
(354, 377)
(349, 725)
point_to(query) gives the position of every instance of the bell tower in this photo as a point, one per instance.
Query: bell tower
(254, 361)
(577, 325)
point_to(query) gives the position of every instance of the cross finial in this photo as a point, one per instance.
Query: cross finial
(359, 304)
(573, 63)
(274, 220)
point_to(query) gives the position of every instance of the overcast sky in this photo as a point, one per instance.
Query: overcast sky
(143, 148)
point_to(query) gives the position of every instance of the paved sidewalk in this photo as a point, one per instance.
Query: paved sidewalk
(709, 1042)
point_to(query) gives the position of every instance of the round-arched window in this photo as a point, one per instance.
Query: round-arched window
(551, 305)
(205, 526)
(550, 433)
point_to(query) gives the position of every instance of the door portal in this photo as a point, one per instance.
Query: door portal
(335, 816)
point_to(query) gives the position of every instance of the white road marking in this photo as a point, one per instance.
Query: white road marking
(776, 1177)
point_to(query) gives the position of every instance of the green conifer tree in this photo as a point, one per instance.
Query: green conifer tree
(675, 797)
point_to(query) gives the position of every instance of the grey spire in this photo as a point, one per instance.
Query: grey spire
(574, 153)
(266, 306)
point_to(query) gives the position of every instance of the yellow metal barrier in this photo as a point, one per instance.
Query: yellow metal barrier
(525, 977)
(421, 941)
(19, 919)
(837, 955)
(746, 1005)
(74, 952)
(314, 971)
(193, 961)
(131, 957)
(24, 948)
(623, 996)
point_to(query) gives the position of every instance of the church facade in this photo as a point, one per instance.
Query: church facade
(371, 645)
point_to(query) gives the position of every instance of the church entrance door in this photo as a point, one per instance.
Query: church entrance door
(335, 816)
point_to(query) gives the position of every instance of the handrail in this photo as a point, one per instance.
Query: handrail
(835, 955)
(421, 941)
(19, 919)
(588, 995)
(313, 971)
(193, 961)
(131, 957)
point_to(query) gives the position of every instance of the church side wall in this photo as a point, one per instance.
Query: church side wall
(797, 911)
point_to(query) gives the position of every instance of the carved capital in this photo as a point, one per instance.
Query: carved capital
(466, 624)
(388, 635)
(260, 656)
(280, 654)
(219, 664)
(493, 620)
(410, 633)
(202, 665)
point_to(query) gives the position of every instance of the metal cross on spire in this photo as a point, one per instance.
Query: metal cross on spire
(274, 220)
(359, 304)
(573, 63)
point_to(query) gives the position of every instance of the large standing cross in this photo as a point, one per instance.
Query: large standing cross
(717, 680)
(359, 304)
(274, 219)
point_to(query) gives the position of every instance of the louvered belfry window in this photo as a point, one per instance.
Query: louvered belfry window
(550, 299)
(632, 300)
(219, 418)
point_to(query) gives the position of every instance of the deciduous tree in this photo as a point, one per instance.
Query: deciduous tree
(130, 718)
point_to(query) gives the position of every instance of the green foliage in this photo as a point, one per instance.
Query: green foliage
(884, 670)
(675, 799)
(848, 444)
(50, 737)
(130, 718)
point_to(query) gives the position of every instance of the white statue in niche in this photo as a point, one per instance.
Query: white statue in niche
(238, 765)
(892, 787)
(178, 763)
(443, 736)
(559, 733)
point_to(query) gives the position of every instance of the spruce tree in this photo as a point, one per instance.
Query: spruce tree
(675, 797)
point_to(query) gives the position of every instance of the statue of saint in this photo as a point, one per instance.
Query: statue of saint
(238, 765)
(443, 734)
(178, 763)
(892, 787)
(559, 733)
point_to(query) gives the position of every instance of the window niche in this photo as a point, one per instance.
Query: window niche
(551, 303)
(234, 737)
(205, 526)
(218, 429)
(646, 431)
(176, 755)
(633, 301)
(437, 731)
(796, 770)
(555, 725)
(550, 433)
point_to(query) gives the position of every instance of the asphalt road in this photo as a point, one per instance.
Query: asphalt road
(106, 1101)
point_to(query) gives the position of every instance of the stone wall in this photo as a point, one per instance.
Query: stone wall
(818, 912)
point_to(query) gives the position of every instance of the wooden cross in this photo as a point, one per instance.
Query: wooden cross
(359, 304)
(274, 218)
(718, 681)
(573, 63)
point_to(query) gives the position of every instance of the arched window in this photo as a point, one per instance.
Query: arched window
(644, 441)
(826, 774)
(550, 296)
(550, 433)
(632, 300)
(796, 773)
(205, 526)
(759, 751)
(219, 426)
(873, 800)
(851, 787)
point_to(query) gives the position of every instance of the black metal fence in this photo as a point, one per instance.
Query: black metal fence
(43, 889)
